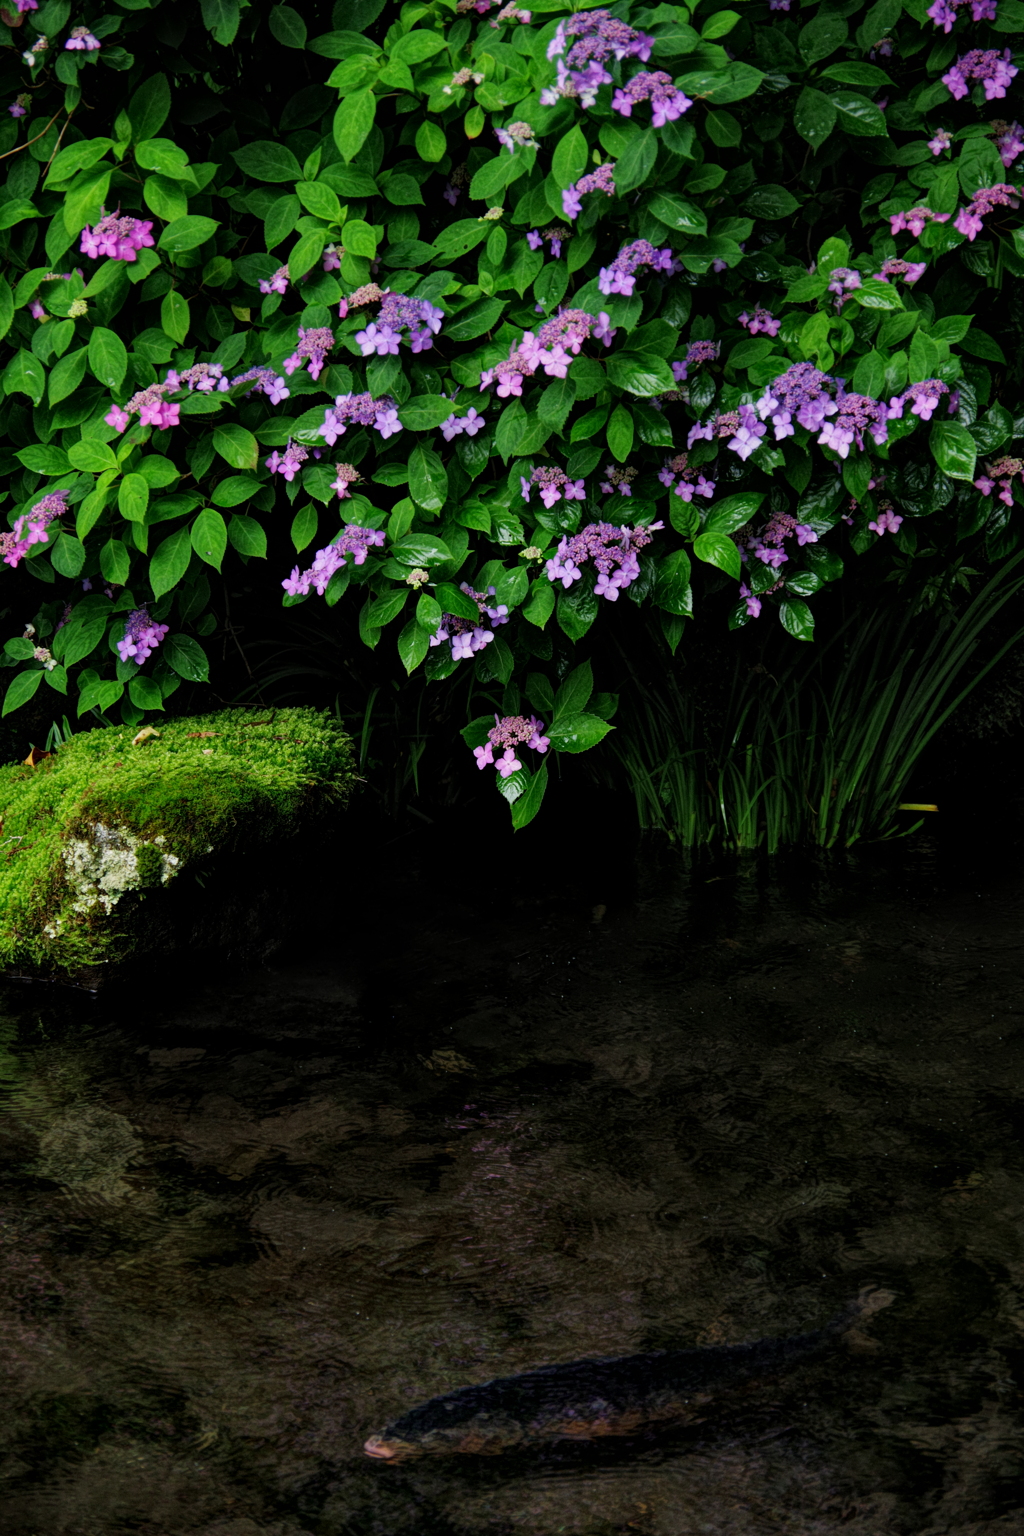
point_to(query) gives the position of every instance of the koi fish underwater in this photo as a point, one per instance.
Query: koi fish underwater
(614, 1395)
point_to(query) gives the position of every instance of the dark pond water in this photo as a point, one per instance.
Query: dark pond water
(247, 1223)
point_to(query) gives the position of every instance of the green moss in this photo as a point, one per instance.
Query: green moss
(86, 833)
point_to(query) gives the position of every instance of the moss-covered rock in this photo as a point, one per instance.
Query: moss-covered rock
(112, 820)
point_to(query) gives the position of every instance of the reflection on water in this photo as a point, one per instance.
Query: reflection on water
(243, 1231)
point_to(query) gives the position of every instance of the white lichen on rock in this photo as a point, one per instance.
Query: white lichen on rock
(104, 866)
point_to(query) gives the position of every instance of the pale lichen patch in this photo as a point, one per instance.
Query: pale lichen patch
(103, 866)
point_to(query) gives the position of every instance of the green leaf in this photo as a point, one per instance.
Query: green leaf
(164, 197)
(716, 549)
(525, 808)
(287, 26)
(16, 211)
(22, 688)
(174, 316)
(731, 513)
(158, 471)
(453, 600)
(953, 449)
(67, 374)
(92, 456)
(91, 510)
(821, 37)
(513, 786)
(814, 116)
(221, 17)
(170, 561)
(233, 490)
(570, 158)
(320, 200)
(796, 618)
(133, 498)
(68, 555)
(577, 732)
(306, 252)
(541, 603)
(44, 460)
(859, 116)
(149, 107)
(511, 587)
(770, 202)
(187, 233)
(640, 375)
(723, 129)
(352, 123)
(620, 433)
(428, 481)
(874, 294)
(359, 239)
(428, 612)
(84, 203)
(869, 375)
(115, 562)
(165, 157)
(721, 86)
(431, 144)
(574, 694)
(676, 212)
(99, 693)
(145, 692)
(264, 160)
(745, 353)
(108, 357)
(304, 527)
(422, 549)
(210, 537)
(77, 157)
(556, 402)
(950, 328)
(476, 320)
(413, 644)
(416, 46)
(6, 306)
(852, 72)
(237, 446)
(25, 375)
(388, 606)
(424, 412)
(980, 344)
(247, 536)
(576, 610)
(719, 25)
(636, 162)
(186, 657)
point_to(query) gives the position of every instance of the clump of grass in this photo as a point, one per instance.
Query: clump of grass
(820, 753)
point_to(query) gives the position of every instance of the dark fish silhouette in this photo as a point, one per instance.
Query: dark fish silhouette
(615, 1395)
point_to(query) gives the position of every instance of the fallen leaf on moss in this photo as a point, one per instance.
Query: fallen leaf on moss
(144, 735)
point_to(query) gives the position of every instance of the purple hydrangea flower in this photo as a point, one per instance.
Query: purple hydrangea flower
(352, 540)
(119, 238)
(993, 69)
(31, 527)
(613, 551)
(141, 637)
(667, 102)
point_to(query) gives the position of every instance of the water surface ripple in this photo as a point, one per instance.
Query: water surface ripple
(245, 1224)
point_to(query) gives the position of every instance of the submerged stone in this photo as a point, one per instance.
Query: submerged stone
(122, 842)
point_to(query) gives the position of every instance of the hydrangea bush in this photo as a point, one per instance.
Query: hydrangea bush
(502, 315)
